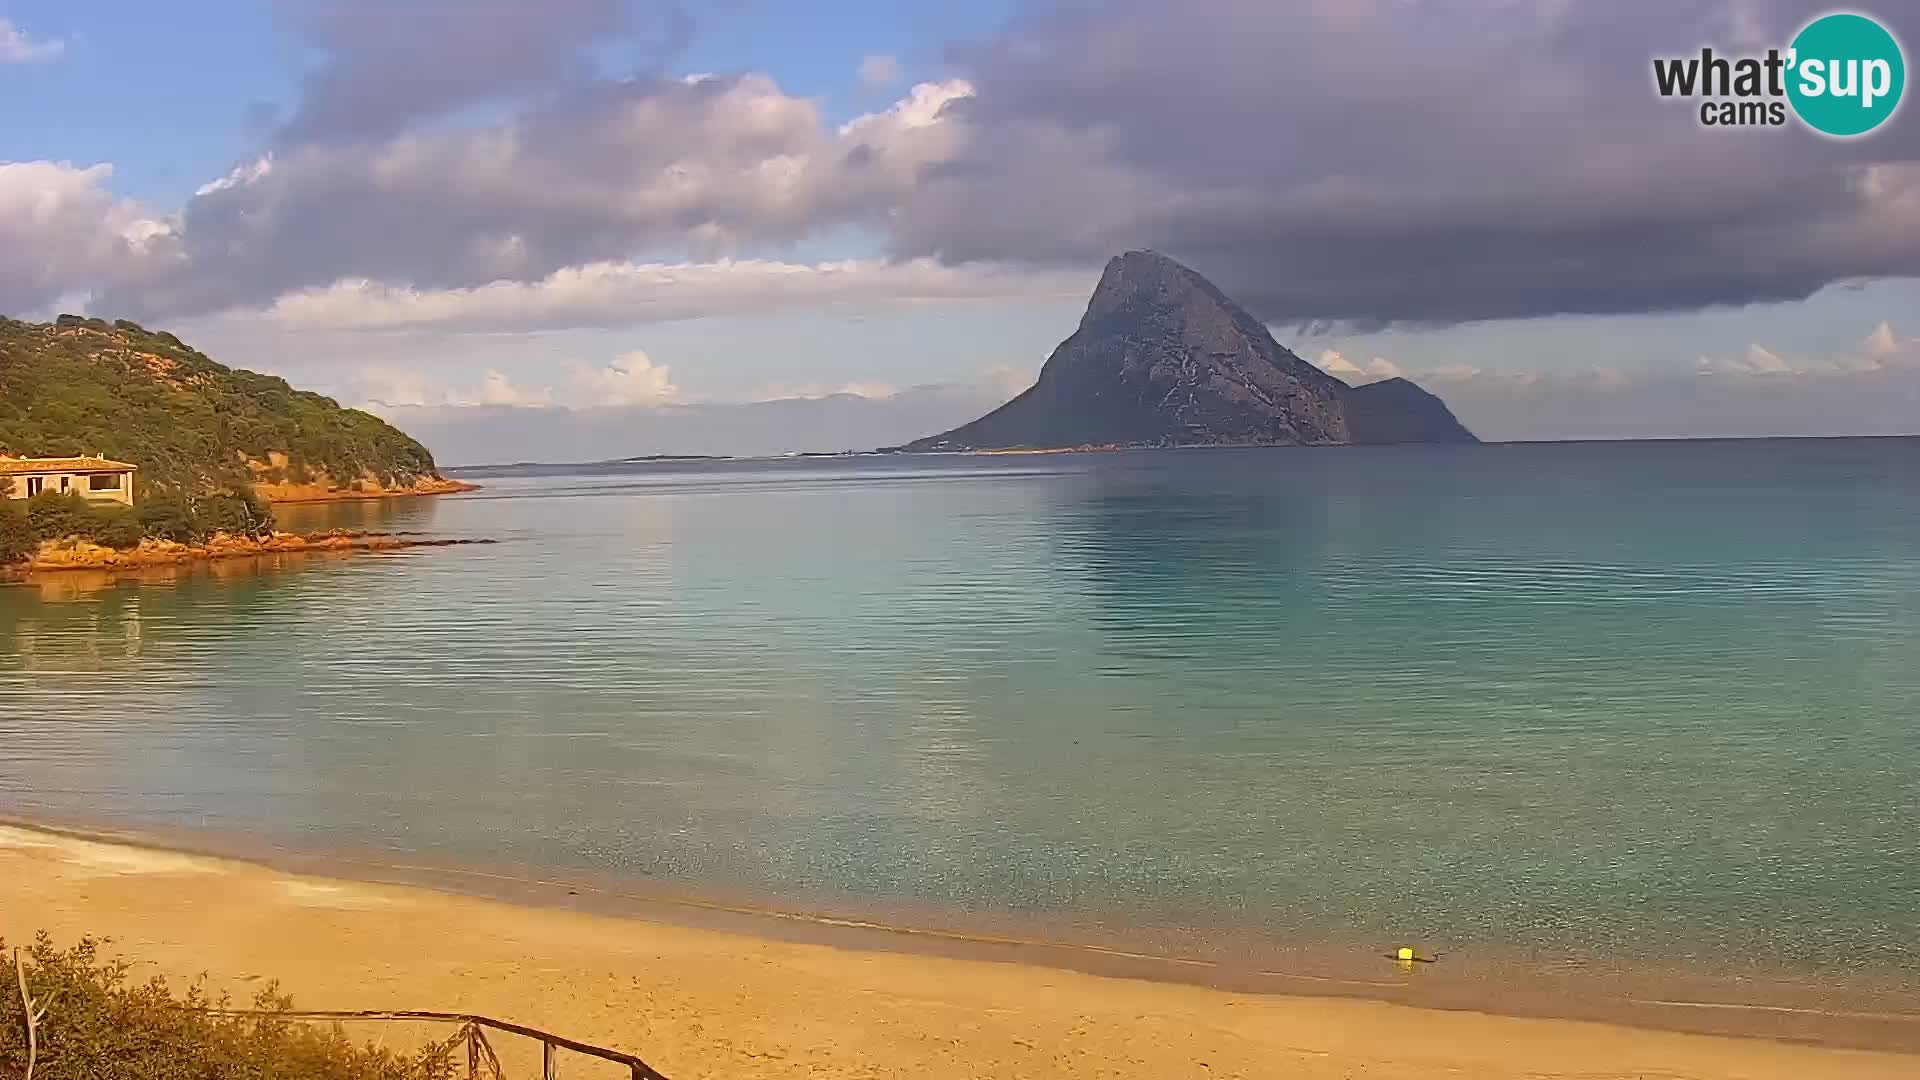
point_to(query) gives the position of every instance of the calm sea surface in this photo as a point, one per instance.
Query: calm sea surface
(1641, 702)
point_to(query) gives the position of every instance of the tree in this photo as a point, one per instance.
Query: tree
(55, 515)
(16, 535)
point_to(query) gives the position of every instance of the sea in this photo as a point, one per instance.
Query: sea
(1583, 707)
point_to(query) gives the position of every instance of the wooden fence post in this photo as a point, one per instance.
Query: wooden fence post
(480, 1054)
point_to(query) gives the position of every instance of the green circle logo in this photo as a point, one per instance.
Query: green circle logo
(1846, 74)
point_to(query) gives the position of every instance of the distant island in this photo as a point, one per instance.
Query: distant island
(674, 457)
(1163, 358)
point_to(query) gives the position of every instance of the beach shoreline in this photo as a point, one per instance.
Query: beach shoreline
(164, 903)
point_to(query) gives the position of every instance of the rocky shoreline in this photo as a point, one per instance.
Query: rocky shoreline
(72, 554)
(319, 493)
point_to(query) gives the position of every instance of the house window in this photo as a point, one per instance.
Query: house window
(65, 483)
(104, 482)
(34, 485)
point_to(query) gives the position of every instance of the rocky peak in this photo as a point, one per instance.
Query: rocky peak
(1163, 358)
(1139, 284)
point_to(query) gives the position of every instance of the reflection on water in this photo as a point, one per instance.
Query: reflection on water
(1627, 701)
(56, 586)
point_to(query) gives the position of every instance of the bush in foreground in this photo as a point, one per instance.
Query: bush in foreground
(100, 1025)
(16, 533)
(115, 526)
(163, 516)
(54, 515)
(238, 513)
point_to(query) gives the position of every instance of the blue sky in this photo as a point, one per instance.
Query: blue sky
(412, 229)
(162, 97)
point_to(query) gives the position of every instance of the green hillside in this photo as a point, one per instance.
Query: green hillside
(84, 386)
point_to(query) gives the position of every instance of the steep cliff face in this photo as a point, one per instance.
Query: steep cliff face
(1163, 358)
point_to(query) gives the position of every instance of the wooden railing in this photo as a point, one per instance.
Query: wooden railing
(481, 1060)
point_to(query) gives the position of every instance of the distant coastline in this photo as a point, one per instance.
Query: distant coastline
(512, 468)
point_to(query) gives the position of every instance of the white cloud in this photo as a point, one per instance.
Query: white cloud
(497, 389)
(19, 47)
(1451, 373)
(614, 294)
(1334, 363)
(1872, 389)
(879, 71)
(631, 379)
(714, 167)
(1757, 360)
(386, 388)
(239, 176)
(1382, 368)
(872, 390)
(383, 386)
(64, 233)
(922, 108)
(1880, 350)
(1882, 342)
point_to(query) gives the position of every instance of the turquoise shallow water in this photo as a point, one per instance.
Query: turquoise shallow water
(1659, 701)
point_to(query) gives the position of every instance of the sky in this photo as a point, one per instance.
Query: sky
(593, 228)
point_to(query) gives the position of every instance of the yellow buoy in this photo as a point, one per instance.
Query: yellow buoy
(1405, 953)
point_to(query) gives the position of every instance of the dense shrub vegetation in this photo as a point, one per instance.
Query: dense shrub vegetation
(16, 535)
(185, 517)
(85, 386)
(101, 1025)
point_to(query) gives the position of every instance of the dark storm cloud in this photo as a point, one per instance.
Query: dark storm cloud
(1333, 161)
(1435, 162)
(379, 65)
(612, 170)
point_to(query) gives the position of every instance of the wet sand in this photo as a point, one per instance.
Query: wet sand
(702, 1001)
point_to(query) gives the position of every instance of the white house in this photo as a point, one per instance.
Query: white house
(93, 477)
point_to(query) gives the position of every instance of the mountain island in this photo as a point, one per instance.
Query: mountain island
(1163, 358)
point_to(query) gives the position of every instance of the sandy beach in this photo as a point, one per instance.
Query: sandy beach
(708, 1003)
